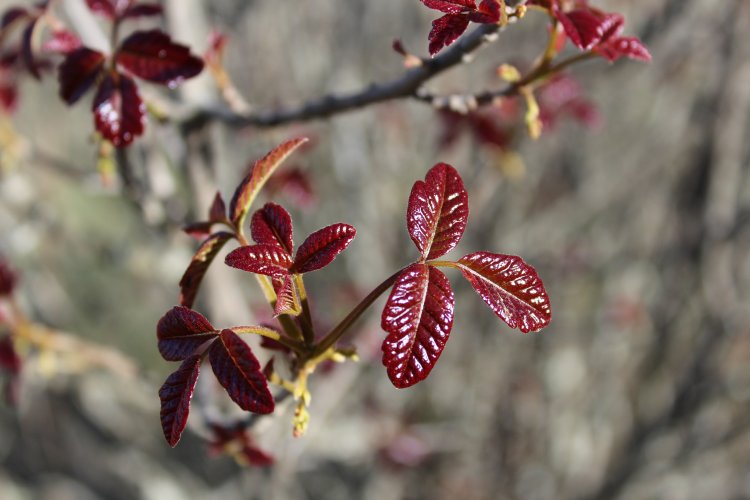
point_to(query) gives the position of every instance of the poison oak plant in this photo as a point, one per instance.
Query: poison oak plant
(417, 317)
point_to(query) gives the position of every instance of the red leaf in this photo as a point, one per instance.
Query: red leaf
(451, 6)
(488, 12)
(10, 362)
(218, 210)
(268, 260)
(153, 56)
(584, 28)
(119, 112)
(238, 371)
(8, 278)
(143, 10)
(446, 30)
(193, 276)
(321, 247)
(510, 287)
(418, 318)
(437, 212)
(287, 301)
(102, 7)
(259, 174)
(272, 225)
(78, 72)
(630, 47)
(181, 331)
(175, 397)
(62, 42)
(199, 230)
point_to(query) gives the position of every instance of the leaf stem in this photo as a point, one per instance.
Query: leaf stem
(308, 332)
(292, 344)
(338, 331)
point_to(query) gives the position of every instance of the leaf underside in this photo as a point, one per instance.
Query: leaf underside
(175, 397)
(511, 288)
(418, 318)
(437, 212)
(191, 280)
(238, 371)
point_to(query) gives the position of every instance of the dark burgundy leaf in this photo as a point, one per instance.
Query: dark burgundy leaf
(218, 210)
(583, 27)
(143, 10)
(181, 331)
(257, 177)
(272, 225)
(630, 47)
(10, 361)
(451, 6)
(153, 56)
(612, 25)
(437, 212)
(487, 13)
(78, 72)
(8, 278)
(175, 397)
(62, 42)
(8, 97)
(202, 259)
(321, 247)
(119, 112)
(199, 230)
(418, 318)
(268, 260)
(510, 287)
(273, 345)
(238, 371)
(445, 31)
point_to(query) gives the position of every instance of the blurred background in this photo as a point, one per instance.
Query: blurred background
(639, 388)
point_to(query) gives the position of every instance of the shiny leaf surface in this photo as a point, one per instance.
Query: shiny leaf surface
(238, 371)
(629, 47)
(181, 331)
(451, 6)
(175, 397)
(191, 280)
(268, 260)
(511, 288)
(153, 56)
(437, 212)
(583, 28)
(418, 318)
(119, 112)
(78, 72)
(321, 247)
(272, 225)
(446, 30)
(259, 174)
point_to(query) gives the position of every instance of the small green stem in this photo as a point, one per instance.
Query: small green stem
(292, 344)
(308, 332)
(442, 263)
(338, 331)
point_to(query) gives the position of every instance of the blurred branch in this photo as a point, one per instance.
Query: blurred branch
(408, 84)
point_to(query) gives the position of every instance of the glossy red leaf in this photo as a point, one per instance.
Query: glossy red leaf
(511, 288)
(143, 10)
(321, 247)
(8, 278)
(487, 13)
(181, 331)
(119, 112)
(446, 30)
(418, 318)
(268, 260)
(629, 47)
(257, 177)
(272, 225)
(437, 212)
(583, 27)
(62, 42)
(78, 72)
(238, 371)
(153, 56)
(191, 280)
(175, 397)
(451, 6)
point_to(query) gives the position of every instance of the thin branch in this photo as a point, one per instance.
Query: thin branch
(406, 85)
